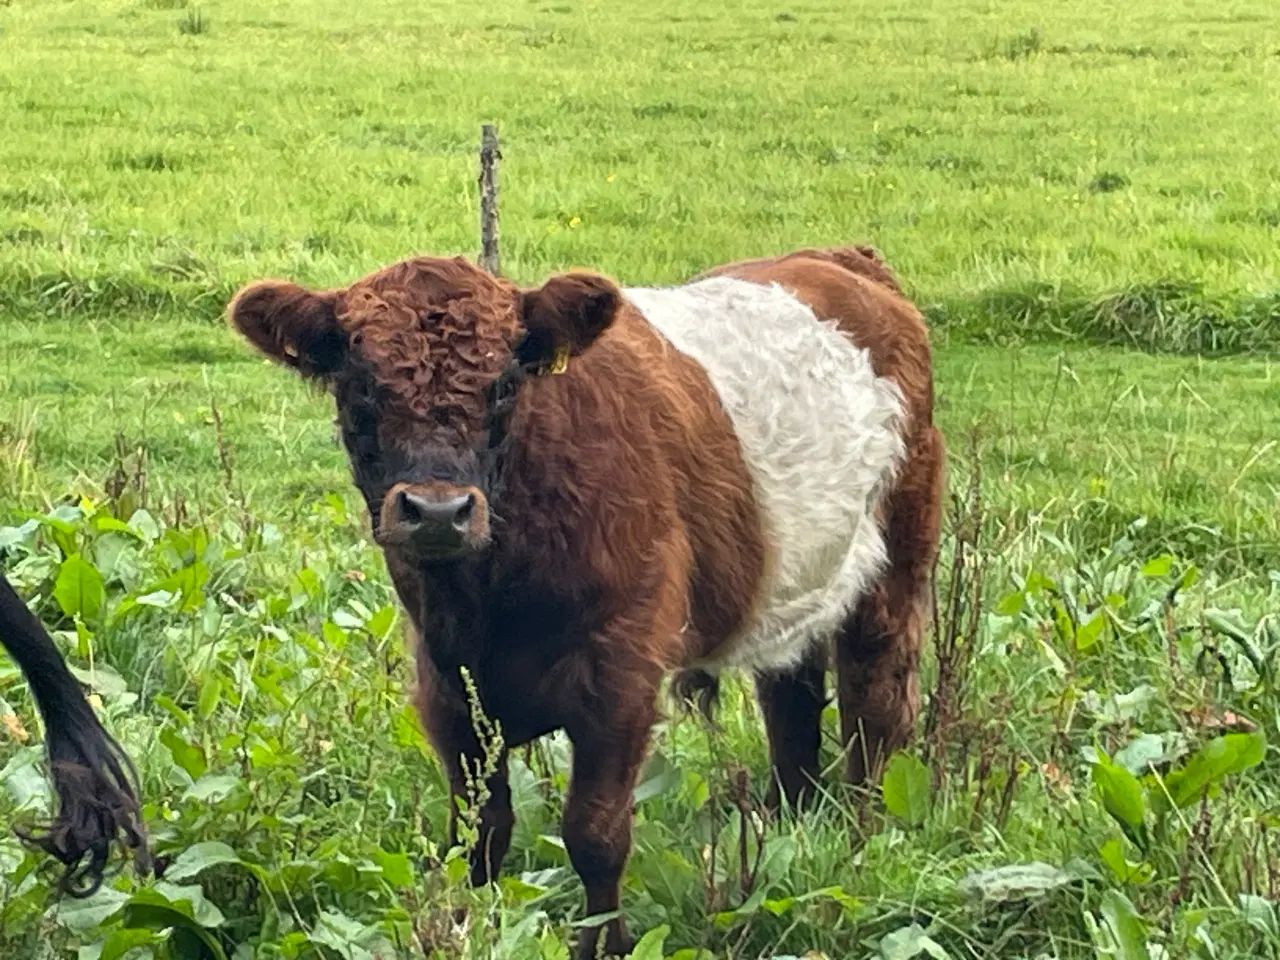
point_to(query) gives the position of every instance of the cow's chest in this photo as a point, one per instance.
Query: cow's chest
(524, 672)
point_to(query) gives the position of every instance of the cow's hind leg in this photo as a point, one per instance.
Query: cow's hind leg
(792, 703)
(878, 651)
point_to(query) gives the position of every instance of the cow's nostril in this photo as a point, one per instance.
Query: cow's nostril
(467, 509)
(412, 510)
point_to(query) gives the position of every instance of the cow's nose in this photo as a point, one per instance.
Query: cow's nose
(439, 516)
(434, 520)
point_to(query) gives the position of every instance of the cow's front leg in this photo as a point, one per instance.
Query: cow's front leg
(452, 731)
(495, 820)
(608, 751)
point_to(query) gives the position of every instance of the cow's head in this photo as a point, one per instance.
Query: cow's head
(424, 359)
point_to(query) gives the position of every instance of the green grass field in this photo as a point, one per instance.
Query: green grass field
(1084, 197)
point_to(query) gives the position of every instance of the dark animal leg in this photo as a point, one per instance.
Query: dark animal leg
(878, 652)
(792, 704)
(452, 731)
(607, 756)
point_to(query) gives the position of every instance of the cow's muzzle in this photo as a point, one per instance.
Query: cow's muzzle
(436, 521)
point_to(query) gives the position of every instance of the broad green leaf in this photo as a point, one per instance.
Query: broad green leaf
(333, 635)
(82, 916)
(780, 852)
(189, 756)
(664, 874)
(906, 788)
(62, 524)
(121, 942)
(188, 583)
(146, 525)
(649, 947)
(153, 910)
(780, 906)
(1131, 705)
(1128, 930)
(160, 599)
(9, 536)
(167, 704)
(25, 782)
(1127, 872)
(380, 623)
(1011, 604)
(351, 939)
(661, 776)
(203, 911)
(456, 870)
(519, 891)
(347, 620)
(1140, 753)
(910, 942)
(752, 905)
(1120, 791)
(1037, 582)
(519, 937)
(835, 894)
(194, 860)
(783, 905)
(306, 586)
(1220, 757)
(551, 947)
(699, 791)
(1018, 881)
(79, 589)
(1088, 634)
(1158, 566)
(1260, 914)
(395, 868)
(102, 679)
(210, 694)
(105, 523)
(1200, 937)
(212, 788)
(210, 619)
(1063, 624)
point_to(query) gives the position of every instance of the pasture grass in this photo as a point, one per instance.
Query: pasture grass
(1099, 170)
(1083, 196)
(1082, 438)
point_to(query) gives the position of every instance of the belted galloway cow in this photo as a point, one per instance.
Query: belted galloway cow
(581, 489)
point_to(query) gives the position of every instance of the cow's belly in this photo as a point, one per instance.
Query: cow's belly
(821, 436)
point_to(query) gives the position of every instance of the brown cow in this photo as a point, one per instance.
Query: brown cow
(92, 776)
(728, 473)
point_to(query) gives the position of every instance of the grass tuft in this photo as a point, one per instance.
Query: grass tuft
(193, 24)
(1168, 316)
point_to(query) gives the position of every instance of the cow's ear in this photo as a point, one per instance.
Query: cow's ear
(564, 317)
(291, 325)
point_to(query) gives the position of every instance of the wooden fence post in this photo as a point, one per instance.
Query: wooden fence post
(489, 157)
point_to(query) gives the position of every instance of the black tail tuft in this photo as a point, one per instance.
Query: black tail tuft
(697, 689)
(92, 777)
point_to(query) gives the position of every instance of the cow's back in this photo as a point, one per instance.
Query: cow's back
(820, 434)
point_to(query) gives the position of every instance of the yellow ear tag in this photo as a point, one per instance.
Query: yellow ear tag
(560, 362)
